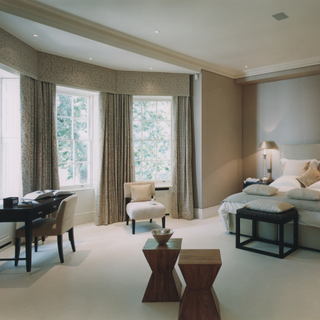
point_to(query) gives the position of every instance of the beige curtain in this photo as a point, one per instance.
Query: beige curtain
(116, 155)
(182, 189)
(39, 154)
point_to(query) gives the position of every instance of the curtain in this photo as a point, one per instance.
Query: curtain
(39, 154)
(116, 156)
(182, 189)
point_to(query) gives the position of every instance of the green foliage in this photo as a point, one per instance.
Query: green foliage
(152, 140)
(72, 122)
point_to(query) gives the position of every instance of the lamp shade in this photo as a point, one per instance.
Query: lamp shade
(265, 145)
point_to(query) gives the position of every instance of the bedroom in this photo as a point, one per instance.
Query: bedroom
(231, 120)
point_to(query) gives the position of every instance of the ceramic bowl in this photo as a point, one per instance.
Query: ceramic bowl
(162, 235)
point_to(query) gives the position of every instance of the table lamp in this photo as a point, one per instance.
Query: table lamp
(264, 145)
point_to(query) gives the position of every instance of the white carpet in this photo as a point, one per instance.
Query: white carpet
(107, 276)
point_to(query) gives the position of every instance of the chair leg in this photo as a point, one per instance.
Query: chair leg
(127, 219)
(17, 251)
(36, 242)
(133, 226)
(71, 239)
(150, 220)
(163, 221)
(43, 238)
(60, 248)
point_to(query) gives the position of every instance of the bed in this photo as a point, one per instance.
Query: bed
(297, 162)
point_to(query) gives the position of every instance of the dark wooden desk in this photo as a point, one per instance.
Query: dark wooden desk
(26, 215)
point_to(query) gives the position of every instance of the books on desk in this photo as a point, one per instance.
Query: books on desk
(37, 195)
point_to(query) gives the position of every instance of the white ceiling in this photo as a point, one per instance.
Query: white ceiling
(231, 37)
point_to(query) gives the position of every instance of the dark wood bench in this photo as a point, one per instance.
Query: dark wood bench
(277, 218)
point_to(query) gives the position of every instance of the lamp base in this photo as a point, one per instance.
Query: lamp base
(265, 179)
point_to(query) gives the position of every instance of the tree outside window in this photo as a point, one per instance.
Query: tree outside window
(152, 140)
(73, 139)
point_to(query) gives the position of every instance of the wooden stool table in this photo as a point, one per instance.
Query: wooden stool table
(199, 269)
(164, 284)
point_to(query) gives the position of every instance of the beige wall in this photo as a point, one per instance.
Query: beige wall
(221, 139)
(285, 112)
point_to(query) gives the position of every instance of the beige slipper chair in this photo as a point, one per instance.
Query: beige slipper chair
(139, 205)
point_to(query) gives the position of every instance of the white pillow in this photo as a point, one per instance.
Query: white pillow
(294, 167)
(268, 205)
(261, 190)
(303, 194)
(140, 192)
(286, 181)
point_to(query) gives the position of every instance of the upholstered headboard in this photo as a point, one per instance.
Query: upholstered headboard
(300, 151)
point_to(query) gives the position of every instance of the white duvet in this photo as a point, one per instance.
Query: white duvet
(284, 184)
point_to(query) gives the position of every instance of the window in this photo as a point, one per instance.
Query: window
(152, 138)
(74, 137)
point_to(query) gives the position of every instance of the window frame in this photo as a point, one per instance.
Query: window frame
(90, 96)
(159, 182)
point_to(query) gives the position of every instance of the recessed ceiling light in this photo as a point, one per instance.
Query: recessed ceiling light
(246, 66)
(280, 16)
(157, 31)
(90, 58)
(150, 68)
(35, 35)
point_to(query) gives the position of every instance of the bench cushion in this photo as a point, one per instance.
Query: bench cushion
(269, 205)
(276, 216)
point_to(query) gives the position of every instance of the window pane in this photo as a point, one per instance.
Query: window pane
(81, 173)
(149, 150)
(164, 170)
(136, 130)
(148, 170)
(65, 151)
(137, 150)
(80, 129)
(80, 107)
(136, 110)
(164, 130)
(164, 110)
(64, 105)
(137, 169)
(66, 174)
(149, 110)
(149, 130)
(81, 151)
(163, 150)
(64, 129)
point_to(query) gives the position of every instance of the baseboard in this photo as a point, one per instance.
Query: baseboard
(206, 212)
(82, 218)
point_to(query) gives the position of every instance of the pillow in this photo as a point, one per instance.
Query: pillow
(269, 206)
(303, 194)
(286, 181)
(294, 167)
(315, 186)
(309, 178)
(261, 190)
(140, 192)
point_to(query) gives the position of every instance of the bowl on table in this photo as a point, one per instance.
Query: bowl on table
(162, 235)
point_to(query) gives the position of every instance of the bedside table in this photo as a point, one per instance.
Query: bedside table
(249, 183)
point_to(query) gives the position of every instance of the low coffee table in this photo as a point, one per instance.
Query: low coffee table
(164, 284)
(199, 269)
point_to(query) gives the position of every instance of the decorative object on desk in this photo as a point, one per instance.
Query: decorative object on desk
(264, 145)
(10, 202)
(37, 195)
(27, 203)
(162, 235)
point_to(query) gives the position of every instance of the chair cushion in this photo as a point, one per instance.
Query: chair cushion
(40, 227)
(145, 210)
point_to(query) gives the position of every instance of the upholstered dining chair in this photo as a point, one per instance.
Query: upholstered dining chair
(63, 222)
(139, 206)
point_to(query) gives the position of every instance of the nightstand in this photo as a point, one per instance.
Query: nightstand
(249, 183)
